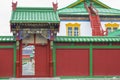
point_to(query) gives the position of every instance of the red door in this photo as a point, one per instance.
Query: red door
(35, 61)
(41, 61)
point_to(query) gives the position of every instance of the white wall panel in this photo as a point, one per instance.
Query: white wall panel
(85, 27)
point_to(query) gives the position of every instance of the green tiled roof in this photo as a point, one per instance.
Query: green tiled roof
(7, 39)
(80, 3)
(73, 11)
(77, 8)
(83, 11)
(34, 15)
(86, 39)
(111, 11)
(115, 33)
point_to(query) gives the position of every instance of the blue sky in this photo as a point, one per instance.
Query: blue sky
(5, 9)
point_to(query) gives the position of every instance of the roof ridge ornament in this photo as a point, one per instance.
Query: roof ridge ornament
(14, 5)
(55, 6)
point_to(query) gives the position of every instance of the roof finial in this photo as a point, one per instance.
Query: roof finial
(55, 5)
(14, 5)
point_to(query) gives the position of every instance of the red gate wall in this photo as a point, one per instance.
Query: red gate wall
(106, 62)
(41, 61)
(6, 62)
(72, 62)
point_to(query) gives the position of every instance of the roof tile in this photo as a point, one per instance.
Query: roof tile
(34, 15)
(86, 39)
(82, 11)
(7, 39)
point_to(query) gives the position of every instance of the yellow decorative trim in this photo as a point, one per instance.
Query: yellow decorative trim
(112, 25)
(76, 24)
(69, 25)
(72, 25)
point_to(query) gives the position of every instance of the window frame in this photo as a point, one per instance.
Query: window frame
(73, 26)
(112, 26)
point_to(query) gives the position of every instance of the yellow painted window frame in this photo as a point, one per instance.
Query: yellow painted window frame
(112, 26)
(73, 25)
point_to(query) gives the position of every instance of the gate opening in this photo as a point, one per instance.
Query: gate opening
(28, 60)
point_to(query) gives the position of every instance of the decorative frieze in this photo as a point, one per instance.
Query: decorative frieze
(40, 39)
(109, 18)
(74, 18)
(103, 18)
(29, 39)
(116, 25)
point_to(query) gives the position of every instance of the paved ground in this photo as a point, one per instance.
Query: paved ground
(28, 69)
(34, 79)
(114, 78)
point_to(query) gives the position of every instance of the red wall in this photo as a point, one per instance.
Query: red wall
(6, 44)
(106, 62)
(72, 62)
(6, 62)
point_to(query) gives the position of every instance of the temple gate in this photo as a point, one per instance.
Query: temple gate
(34, 29)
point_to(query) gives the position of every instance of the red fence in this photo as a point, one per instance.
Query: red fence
(106, 62)
(72, 62)
(86, 60)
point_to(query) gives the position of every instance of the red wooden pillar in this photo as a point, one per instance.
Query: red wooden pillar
(50, 60)
(20, 58)
(17, 64)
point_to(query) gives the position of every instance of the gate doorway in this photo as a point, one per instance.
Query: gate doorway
(28, 60)
(34, 60)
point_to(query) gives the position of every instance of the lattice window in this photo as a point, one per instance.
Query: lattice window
(73, 29)
(112, 27)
